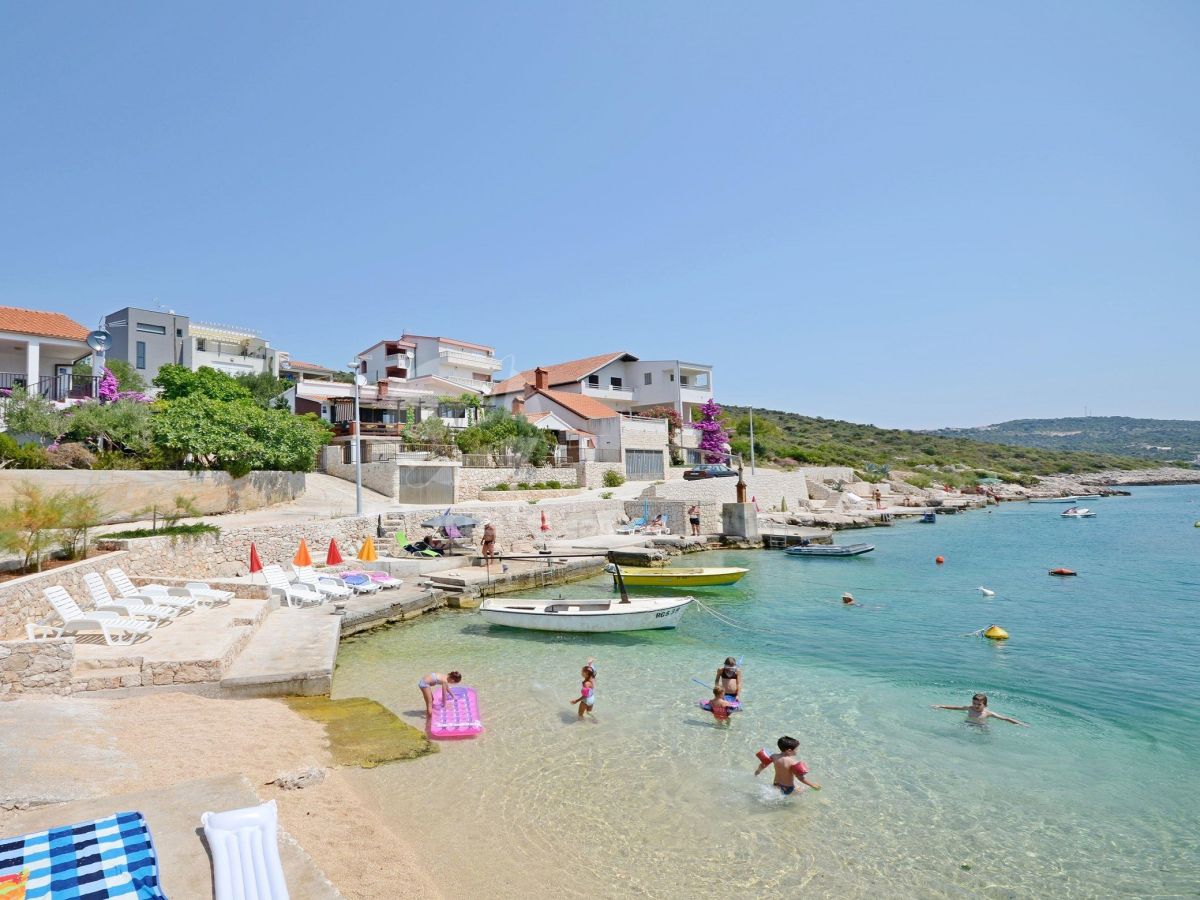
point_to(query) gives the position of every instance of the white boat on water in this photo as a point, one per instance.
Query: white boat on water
(593, 615)
(1071, 499)
(1077, 512)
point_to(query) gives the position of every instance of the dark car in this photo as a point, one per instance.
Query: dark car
(712, 470)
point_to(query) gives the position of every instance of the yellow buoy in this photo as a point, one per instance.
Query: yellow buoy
(996, 633)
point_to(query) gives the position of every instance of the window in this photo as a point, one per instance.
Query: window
(647, 378)
(683, 380)
(200, 344)
(141, 354)
(178, 332)
(671, 376)
(614, 382)
(362, 367)
(593, 381)
(151, 329)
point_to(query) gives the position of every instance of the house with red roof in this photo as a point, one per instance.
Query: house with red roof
(37, 352)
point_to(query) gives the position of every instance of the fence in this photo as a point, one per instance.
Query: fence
(53, 387)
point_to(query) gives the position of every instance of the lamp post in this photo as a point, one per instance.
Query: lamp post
(358, 379)
(752, 440)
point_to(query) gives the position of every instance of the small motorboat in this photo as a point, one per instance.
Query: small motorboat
(1070, 499)
(711, 576)
(592, 615)
(828, 550)
(928, 519)
(1087, 496)
(1077, 512)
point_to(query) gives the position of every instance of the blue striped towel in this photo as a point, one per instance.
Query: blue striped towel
(105, 858)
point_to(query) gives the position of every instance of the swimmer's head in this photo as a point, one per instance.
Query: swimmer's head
(454, 677)
(718, 694)
(979, 700)
(588, 672)
(787, 744)
(730, 661)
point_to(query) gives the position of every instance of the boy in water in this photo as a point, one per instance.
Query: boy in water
(978, 712)
(787, 767)
(720, 707)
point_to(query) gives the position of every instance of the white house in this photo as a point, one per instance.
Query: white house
(231, 349)
(37, 351)
(461, 365)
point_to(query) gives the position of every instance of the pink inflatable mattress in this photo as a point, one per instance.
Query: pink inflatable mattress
(458, 718)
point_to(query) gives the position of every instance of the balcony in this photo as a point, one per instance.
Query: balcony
(369, 429)
(468, 360)
(608, 392)
(56, 388)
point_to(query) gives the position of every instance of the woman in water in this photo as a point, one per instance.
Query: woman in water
(978, 712)
(729, 678)
(587, 690)
(432, 680)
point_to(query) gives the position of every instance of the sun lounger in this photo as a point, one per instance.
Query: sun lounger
(383, 579)
(360, 582)
(153, 593)
(661, 528)
(200, 592)
(636, 525)
(113, 857)
(245, 853)
(295, 595)
(323, 584)
(414, 549)
(103, 601)
(117, 630)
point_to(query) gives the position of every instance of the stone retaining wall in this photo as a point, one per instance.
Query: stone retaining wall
(529, 495)
(22, 600)
(676, 511)
(124, 496)
(472, 481)
(42, 667)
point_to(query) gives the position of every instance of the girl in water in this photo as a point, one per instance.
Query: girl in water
(587, 690)
(729, 678)
(432, 680)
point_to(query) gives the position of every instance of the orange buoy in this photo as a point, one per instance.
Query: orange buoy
(939, 560)
(1063, 572)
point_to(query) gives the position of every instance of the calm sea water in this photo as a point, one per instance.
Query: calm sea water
(1101, 797)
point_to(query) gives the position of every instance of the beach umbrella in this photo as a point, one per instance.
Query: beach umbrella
(255, 562)
(334, 556)
(367, 552)
(544, 526)
(754, 500)
(302, 558)
(450, 520)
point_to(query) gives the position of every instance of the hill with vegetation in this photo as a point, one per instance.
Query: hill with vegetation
(787, 438)
(1164, 440)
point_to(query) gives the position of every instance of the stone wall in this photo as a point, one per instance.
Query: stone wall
(22, 600)
(382, 477)
(471, 480)
(227, 554)
(546, 494)
(42, 667)
(676, 513)
(591, 474)
(125, 495)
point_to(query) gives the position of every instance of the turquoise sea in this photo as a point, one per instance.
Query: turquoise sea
(1099, 798)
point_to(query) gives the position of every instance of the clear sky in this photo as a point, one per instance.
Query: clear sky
(912, 214)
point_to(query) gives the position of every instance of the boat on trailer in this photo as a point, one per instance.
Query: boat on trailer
(829, 550)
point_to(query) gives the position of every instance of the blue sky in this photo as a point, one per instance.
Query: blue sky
(911, 214)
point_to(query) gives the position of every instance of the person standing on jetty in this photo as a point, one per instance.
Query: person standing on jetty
(694, 519)
(978, 712)
(488, 545)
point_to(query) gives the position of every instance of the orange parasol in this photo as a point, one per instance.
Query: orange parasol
(302, 558)
(367, 552)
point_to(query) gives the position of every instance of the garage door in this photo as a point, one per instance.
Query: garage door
(643, 465)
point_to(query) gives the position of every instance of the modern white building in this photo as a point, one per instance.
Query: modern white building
(231, 349)
(461, 365)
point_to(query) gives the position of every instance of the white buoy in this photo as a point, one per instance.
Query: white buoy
(986, 592)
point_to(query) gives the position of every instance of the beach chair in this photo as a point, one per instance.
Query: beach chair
(383, 579)
(112, 857)
(117, 630)
(360, 582)
(245, 853)
(154, 593)
(323, 584)
(636, 525)
(417, 549)
(102, 600)
(663, 528)
(294, 595)
(197, 590)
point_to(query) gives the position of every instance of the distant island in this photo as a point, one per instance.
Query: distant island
(1162, 440)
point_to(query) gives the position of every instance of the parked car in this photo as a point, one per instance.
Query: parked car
(710, 470)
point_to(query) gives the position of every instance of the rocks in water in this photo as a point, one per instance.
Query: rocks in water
(295, 781)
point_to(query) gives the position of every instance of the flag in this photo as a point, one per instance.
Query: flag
(333, 557)
(302, 558)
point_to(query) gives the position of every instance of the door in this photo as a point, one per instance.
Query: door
(644, 465)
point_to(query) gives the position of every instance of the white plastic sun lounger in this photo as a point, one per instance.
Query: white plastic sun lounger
(152, 593)
(103, 601)
(245, 853)
(323, 584)
(117, 630)
(198, 591)
(295, 595)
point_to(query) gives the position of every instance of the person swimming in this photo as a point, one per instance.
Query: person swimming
(978, 712)
(788, 769)
(729, 678)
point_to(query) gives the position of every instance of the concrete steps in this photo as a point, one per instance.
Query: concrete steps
(105, 679)
(293, 653)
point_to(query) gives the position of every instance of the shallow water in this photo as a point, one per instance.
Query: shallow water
(1101, 797)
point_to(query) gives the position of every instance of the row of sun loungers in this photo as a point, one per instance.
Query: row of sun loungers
(308, 587)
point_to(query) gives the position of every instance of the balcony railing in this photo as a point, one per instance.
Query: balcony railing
(471, 360)
(369, 429)
(58, 388)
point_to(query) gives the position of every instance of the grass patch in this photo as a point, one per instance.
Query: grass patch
(193, 530)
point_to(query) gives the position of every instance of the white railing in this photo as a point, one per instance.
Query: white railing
(467, 358)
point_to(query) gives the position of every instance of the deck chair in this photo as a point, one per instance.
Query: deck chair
(103, 601)
(664, 528)
(153, 593)
(417, 549)
(360, 582)
(294, 595)
(636, 525)
(322, 584)
(117, 630)
(383, 579)
(245, 853)
(197, 590)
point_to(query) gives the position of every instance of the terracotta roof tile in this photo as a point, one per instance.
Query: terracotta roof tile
(41, 324)
(299, 364)
(580, 404)
(561, 373)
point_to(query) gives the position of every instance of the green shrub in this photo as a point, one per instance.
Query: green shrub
(522, 485)
(21, 456)
(193, 530)
(28, 523)
(503, 486)
(919, 480)
(606, 495)
(613, 478)
(554, 485)
(114, 460)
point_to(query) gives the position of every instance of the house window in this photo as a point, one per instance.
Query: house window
(151, 329)
(671, 376)
(683, 380)
(614, 382)
(178, 332)
(362, 367)
(647, 378)
(200, 344)
(141, 354)
(593, 381)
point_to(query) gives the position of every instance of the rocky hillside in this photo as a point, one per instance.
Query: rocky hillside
(1167, 440)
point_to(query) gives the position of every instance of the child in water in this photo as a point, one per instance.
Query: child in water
(433, 680)
(729, 678)
(587, 690)
(720, 707)
(978, 712)
(787, 767)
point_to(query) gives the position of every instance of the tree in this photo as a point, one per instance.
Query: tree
(499, 432)
(28, 522)
(713, 437)
(674, 424)
(178, 382)
(264, 388)
(124, 425)
(32, 414)
(432, 435)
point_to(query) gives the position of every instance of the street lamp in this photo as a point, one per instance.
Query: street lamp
(359, 381)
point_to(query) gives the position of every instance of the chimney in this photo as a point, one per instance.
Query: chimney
(518, 406)
(541, 378)
(381, 388)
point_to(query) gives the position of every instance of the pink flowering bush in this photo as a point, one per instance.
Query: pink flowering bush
(714, 439)
(108, 389)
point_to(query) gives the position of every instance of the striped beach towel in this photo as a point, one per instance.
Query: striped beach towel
(105, 858)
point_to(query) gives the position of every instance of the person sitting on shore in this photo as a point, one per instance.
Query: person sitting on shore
(432, 680)
(587, 690)
(787, 767)
(720, 707)
(435, 543)
(729, 678)
(978, 712)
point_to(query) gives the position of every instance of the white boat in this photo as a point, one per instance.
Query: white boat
(1077, 512)
(1070, 499)
(592, 615)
